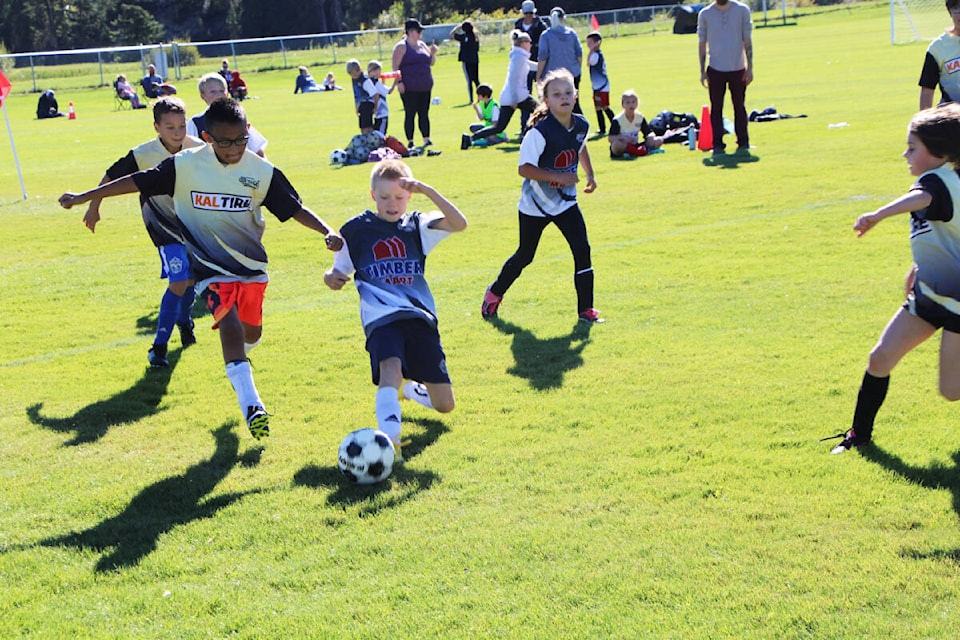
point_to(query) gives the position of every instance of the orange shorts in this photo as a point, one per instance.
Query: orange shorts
(601, 99)
(247, 297)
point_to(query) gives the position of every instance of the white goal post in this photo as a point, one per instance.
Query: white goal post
(912, 20)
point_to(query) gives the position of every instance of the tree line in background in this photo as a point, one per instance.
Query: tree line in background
(44, 25)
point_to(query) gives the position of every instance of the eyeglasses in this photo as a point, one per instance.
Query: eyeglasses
(226, 143)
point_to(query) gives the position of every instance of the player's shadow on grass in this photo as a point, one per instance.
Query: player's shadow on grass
(128, 537)
(92, 422)
(729, 160)
(936, 476)
(544, 361)
(403, 484)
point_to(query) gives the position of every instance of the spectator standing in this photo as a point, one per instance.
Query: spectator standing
(413, 59)
(534, 26)
(724, 29)
(469, 55)
(560, 49)
(942, 52)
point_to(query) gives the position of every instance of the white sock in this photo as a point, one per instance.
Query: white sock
(418, 392)
(249, 346)
(241, 377)
(387, 409)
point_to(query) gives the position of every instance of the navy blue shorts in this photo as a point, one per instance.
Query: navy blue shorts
(931, 311)
(416, 343)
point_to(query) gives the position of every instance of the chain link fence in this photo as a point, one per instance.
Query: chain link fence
(38, 71)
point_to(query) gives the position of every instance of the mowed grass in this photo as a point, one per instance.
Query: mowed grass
(656, 476)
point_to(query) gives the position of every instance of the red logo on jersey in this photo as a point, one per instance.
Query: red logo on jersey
(392, 248)
(952, 66)
(565, 159)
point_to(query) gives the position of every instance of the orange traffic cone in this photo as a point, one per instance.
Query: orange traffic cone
(72, 115)
(705, 135)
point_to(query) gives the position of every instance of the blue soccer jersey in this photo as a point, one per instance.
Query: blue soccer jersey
(389, 260)
(549, 145)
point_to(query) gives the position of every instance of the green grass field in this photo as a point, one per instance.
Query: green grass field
(657, 476)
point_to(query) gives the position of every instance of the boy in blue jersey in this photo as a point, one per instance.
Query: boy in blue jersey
(366, 98)
(387, 249)
(217, 190)
(170, 123)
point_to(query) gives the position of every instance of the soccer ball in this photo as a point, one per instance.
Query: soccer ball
(366, 456)
(436, 100)
(338, 156)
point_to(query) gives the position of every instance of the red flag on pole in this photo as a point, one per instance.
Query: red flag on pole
(4, 87)
(594, 23)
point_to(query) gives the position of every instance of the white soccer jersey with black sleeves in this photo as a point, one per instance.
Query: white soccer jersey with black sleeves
(935, 238)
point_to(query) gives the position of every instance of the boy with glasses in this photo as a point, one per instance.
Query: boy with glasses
(217, 190)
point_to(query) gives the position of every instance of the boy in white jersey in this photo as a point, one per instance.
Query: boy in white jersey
(217, 190)
(630, 134)
(213, 87)
(387, 249)
(169, 121)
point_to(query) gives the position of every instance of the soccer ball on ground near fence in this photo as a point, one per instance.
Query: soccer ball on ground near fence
(338, 156)
(366, 456)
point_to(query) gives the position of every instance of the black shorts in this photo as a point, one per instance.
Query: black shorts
(365, 111)
(416, 343)
(931, 311)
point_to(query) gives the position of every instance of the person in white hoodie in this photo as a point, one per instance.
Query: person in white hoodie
(515, 94)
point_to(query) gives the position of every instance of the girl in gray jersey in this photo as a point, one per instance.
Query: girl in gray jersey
(933, 284)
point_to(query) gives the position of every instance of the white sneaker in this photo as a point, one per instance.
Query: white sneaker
(417, 392)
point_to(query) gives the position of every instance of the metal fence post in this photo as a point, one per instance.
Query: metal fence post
(284, 49)
(233, 50)
(33, 73)
(100, 62)
(333, 45)
(379, 46)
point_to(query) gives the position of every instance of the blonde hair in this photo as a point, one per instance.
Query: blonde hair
(353, 65)
(374, 64)
(629, 93)
(542, 109)
(207, 78)
(518, 36)
(390, 169)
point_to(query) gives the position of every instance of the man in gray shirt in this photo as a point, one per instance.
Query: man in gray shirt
(724, 27)
(560, 49)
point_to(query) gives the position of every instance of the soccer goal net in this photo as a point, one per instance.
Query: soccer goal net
(912, 20)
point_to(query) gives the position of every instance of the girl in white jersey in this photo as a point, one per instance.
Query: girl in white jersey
(933, 284)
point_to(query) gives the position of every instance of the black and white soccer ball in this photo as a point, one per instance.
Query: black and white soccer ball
(338, 156)
(366, 456)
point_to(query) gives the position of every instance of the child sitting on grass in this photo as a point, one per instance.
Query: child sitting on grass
(488, 112)
(628, 127)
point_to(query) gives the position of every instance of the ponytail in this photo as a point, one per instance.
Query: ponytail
(542, 109)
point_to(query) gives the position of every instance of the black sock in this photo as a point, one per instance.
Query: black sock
(873, 391)
(601, 125)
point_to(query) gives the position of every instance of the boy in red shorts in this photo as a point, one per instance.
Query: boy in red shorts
(217, 191)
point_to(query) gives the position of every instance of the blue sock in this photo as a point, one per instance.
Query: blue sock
(169, 310)
(186, 305)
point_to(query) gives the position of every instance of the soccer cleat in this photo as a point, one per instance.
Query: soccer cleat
(850, 441)
(742, 152)
(491, 302)
(187, 337)
(258, 421)
(414, 390)
(465, 141)
(157, 356)
(398, 452)
(590, 315)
